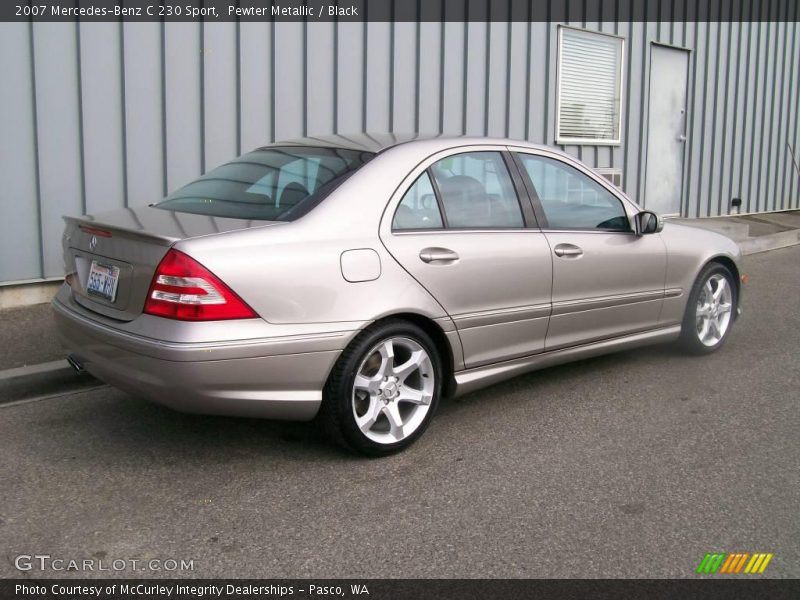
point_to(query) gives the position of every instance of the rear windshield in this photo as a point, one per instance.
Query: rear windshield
(273, 184)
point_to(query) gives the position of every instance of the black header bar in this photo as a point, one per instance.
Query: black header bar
(573, 11)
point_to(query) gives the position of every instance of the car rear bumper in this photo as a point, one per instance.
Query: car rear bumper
(275, 378)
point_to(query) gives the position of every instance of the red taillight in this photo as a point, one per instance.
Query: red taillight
(184, 289)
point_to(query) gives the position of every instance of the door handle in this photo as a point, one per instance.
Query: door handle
(681, 138)
(567, 250)
(437, 255)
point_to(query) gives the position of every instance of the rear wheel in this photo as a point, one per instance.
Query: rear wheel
(384, 389)
(710, 310)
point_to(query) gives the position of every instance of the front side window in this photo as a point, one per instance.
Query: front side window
(418, 209)
(477, 192)
(589, 87)
(570, 199)
(271, 184)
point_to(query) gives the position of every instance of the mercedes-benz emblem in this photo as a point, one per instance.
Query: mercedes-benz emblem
(93, 243)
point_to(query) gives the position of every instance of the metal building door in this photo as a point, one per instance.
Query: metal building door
(666, 144)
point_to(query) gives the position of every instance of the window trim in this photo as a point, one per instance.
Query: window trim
(577, 141)
(529, 217)
(537, 203)
(437, 194)
(442, 216)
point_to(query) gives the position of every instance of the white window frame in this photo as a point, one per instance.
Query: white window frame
(589, 141)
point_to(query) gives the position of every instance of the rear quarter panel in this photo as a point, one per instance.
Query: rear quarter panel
(293, 274)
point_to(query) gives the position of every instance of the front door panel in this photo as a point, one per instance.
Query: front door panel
(615, 286)
(607, 281)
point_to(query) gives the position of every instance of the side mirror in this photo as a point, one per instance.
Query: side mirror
(648, 222)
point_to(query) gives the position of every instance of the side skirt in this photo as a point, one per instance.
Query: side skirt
(479, 377)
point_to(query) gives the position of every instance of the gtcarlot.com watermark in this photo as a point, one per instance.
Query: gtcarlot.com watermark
(46, 562)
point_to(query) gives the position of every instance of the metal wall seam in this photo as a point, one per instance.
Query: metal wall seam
(746, 112)
(691, 108)
(626, 176)
(417, 75)
(81, 147)
(527, 105)
(391, 69)
(766, 121)
(644, 97)
(777, 107)
(442, 43)
(785, 107)
(465, 72)
(123, 114)
(37, 174)
(752, 196)
(508, 74)
(202, 101)
(720, 127)
(735, 138)
(795, 176)
(164, 106)
(272, 82)
(547, 137)
(703, 124)
(238, 91)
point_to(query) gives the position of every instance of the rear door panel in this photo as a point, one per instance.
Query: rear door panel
(498, 289)
(497, 292)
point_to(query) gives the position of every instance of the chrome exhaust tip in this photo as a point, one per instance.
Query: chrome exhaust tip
(75, 364)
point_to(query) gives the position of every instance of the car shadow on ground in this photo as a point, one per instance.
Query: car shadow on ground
(118, 424)
(551, 376)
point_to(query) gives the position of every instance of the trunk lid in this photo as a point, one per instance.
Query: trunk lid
(129, 243)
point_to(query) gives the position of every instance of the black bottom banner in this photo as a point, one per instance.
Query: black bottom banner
(401, 589)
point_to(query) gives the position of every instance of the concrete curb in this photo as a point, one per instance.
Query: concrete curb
(47, 368)
(773, 241)
(45, 380)
(25, 294)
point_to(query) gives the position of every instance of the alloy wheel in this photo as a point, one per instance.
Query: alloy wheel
(392, 390)
(714, 306)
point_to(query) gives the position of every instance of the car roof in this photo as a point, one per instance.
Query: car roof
(378, 142)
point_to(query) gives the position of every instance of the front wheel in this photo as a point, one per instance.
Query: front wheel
(710, 310)
(383, 390)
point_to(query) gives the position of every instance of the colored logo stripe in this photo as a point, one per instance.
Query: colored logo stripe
(711, 562)
(758, 563)
(734, 562)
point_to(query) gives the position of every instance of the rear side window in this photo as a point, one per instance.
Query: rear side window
(477, 191)
(418, 209)
(570, 199)
(272, 184)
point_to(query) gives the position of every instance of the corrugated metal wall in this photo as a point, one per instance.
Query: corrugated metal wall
(95, 116)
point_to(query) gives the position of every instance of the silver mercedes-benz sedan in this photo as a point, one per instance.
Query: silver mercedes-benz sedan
(358, 279)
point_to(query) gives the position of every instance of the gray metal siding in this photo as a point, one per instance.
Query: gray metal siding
(102, 115)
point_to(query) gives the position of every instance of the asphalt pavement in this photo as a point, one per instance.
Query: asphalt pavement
(629, 465)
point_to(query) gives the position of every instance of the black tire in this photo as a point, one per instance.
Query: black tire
(336, 415)
(690, 340)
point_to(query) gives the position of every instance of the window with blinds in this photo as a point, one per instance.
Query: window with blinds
(589, 87)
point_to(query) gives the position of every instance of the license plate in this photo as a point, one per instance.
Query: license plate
(103, 281)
